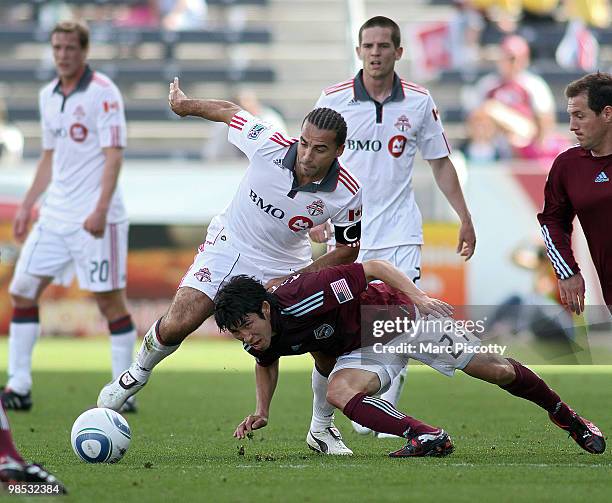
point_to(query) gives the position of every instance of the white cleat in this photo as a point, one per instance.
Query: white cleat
(362, 430)
(385, 435)
(116, 393)
(328, 441)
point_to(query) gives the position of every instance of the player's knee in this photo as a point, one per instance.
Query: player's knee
(111, 305)
(501, 370)
(339, 394)
(24, 290)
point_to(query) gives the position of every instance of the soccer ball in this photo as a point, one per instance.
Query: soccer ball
(100, 436)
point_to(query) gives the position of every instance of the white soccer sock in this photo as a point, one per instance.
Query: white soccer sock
(22, 337)
(122, 351)
(151, 352)
(394, 392)
(322, 411)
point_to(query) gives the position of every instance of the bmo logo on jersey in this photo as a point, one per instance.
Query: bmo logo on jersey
(397, 144)
(365, 145)
(267, 208)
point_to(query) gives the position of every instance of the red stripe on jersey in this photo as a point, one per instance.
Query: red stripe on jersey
(415, 88)
(100, 80)
(241, 120)
(352, 186)
(348, 86)
(280, 139)
(345, 183)
(335, 87)
(279, 142)
(349, 177)
(235, 126)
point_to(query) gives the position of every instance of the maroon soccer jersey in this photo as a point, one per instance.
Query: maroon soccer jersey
(321, 311)
(579, 184)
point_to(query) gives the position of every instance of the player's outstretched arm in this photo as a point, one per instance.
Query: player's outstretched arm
(39, 185)
(265, 384)
(212, 110)
(446, 178)
(392, 276)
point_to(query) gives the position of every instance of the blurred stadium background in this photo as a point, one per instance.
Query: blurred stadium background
(285, 52)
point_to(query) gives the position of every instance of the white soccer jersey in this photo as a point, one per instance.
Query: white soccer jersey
(380, 148)
(76, 128)
(270, 214)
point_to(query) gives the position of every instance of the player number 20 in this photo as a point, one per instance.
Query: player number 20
(98, 271)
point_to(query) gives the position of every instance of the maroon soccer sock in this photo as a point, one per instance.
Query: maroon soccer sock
(530, 386)
(7, 448)
(379, 415)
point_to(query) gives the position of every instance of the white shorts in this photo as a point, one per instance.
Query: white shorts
(217, 261)
(406, 258)
(58, 250)
(437, 343)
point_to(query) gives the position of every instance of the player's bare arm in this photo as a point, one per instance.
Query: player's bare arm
(446, 178)
(95, 223)
(39, 185)
(212, 110)
(392, 276)
(265, 384)
(571, 292)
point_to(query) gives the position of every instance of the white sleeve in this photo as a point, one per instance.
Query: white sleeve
(431, 140)
(249, 133)
(112, 129)
(541, 96)
(48, 138)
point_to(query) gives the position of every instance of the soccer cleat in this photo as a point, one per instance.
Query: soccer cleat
(115, 393)
(385, 435)
(361, 430)
(129, 407)
(13, 472)
(15, 401)
(328, 441)
(585, 434)
(426, 444)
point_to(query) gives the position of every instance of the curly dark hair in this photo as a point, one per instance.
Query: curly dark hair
(326, 118)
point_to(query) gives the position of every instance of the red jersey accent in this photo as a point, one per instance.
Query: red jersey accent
(579, 185)
(338, 87)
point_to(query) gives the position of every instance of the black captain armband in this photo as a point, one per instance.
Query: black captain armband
(349, 235)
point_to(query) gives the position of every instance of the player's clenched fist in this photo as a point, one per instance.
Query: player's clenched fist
(250, 423)
(177, 98)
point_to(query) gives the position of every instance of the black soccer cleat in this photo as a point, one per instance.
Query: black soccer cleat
(426, 444)
(15, 401)
(13, 472)
(585, 434)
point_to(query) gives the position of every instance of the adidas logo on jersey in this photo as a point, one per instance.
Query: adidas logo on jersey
(353, 102)
(278, 162)
(602, 177)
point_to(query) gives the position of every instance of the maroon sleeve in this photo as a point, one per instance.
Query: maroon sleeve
(263, 358)
(556, 224)
(323, 290)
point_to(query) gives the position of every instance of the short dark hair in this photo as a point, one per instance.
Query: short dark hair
(383, 22)
(239, 297)
(326, 118)
(598, 88)
(74, 27)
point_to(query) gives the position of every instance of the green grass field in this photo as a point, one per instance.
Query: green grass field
(182, 445)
